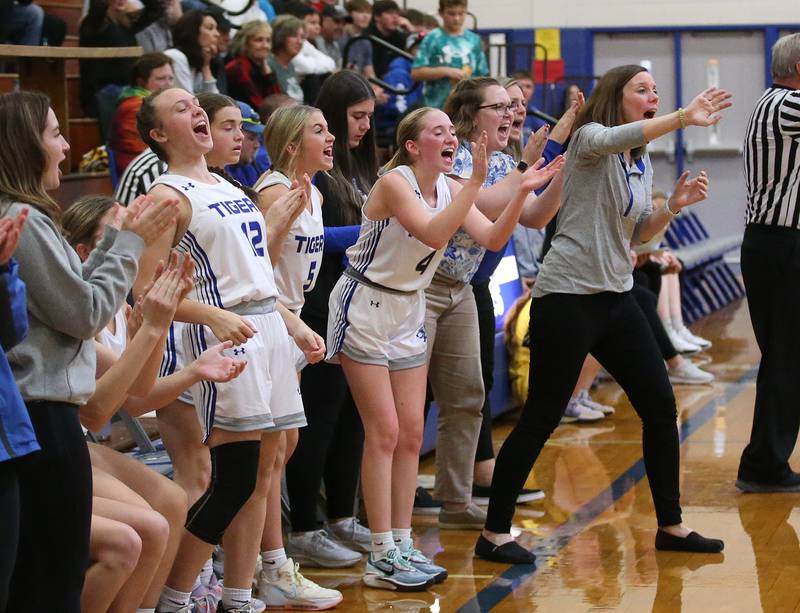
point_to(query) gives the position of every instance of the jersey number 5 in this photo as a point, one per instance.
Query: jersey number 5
(255, 235)
(423, 264)
(310, 280)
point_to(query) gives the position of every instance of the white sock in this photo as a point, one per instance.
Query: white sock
(381, 542)
(272, 560)
(402, 538)
(677, 323)
(172, 600)
(233, 598)
(145, 611)
(206, 572)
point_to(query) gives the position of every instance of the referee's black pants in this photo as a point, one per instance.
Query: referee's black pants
(771, 271)
(564, 328)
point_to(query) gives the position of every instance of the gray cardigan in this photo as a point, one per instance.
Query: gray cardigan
(601, 209)
(68, 304)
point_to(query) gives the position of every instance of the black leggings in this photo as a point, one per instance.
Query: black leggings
(328, 448)
(648, 302)
(486, 327)
(563, 329)
(55, 488)
(9, 526)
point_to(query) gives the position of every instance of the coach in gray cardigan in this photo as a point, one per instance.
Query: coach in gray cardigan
(582, 302)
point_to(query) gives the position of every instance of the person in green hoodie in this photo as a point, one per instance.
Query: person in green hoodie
(151, 72)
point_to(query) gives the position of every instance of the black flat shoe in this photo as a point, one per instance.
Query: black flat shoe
(509, 553)
(693, 543)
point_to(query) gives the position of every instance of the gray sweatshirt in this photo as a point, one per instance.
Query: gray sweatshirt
(603, 202)
(68, 304)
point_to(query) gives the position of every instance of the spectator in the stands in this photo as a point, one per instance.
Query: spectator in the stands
(420, 23)
(311, 64)
(532, 122)
(194, 56)
(249, 168)
(22, 22)
(250, 78)
(448, 54)
(329, 40)
(108, 24)
(398, 76)
(288, 35)
(385, 25)
(151, 72)
(158, 36)
(359, 56)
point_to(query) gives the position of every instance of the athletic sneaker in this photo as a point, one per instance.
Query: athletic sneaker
(189, 608)
(424, 564)
(471, 518)
(686, 334)
(681, 344)
(254, 605)
(686, 372)
(578, 413)
(318, 549)
(293, 591)
(586, 400)
(481, 494)
(205, 598)
(351, 534)
(424, 503)
(393, 572)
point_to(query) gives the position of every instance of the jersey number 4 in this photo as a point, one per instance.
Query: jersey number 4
(255, 235)
(423, 264)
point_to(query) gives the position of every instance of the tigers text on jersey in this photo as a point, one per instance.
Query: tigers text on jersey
(301, 252)
(387, 254)
(226, 240)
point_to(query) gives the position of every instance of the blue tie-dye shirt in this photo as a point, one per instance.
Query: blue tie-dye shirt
(463, 254)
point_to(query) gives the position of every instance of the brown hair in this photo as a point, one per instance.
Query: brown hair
(283, 27)
(358, 6)
(512, 149)
(212, 103)
(463, 102)
(604, 106)
(408, 129)
(146, 64)
(146, 120)
(23, 160)
(448, 4)
(80, 220)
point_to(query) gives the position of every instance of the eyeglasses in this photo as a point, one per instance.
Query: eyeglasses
(500, 108)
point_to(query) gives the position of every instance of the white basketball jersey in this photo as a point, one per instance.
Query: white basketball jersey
(117, 341)
(301, 252)
(226, 240)
(387, 254)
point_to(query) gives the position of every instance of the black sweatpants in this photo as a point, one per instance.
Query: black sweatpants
(9, 526)
(564, 329)
(329, 448)
(771, 270)
(486, 328)
(55, 488)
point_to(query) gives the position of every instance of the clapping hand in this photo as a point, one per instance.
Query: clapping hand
(480, 160)
(214, 365)
(535, 145)
(149, 219)
(539, 175)
(10, 231)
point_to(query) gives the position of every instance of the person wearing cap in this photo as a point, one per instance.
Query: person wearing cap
(329, 40)
(386, 19)
(249, 75)
(248, 169)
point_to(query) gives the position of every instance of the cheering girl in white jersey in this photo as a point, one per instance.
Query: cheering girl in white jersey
(280, 584)
(223, 232)
(376, 325)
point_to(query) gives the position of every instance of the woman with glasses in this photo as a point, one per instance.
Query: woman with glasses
(451, 320)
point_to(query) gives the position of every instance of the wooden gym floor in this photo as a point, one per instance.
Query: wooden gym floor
(593, 533)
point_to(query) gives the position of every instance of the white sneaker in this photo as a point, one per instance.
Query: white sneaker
(681, 344)
(687, 372)
(586, 400)
(254, 605)
(350, 533)
(293, 591)
(576, 412)
(687, 335)
(391, 571)
(317, 548)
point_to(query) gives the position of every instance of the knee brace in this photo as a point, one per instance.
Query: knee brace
(234, 469)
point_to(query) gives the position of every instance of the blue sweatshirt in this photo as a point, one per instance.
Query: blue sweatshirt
(17, 437)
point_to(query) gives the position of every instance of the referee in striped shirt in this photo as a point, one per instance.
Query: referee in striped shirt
(771, 271)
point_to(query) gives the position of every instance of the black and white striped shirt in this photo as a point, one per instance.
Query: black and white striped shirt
(139, 174)
(772, 159)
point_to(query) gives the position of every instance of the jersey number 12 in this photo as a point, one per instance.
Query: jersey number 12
(255, 235)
